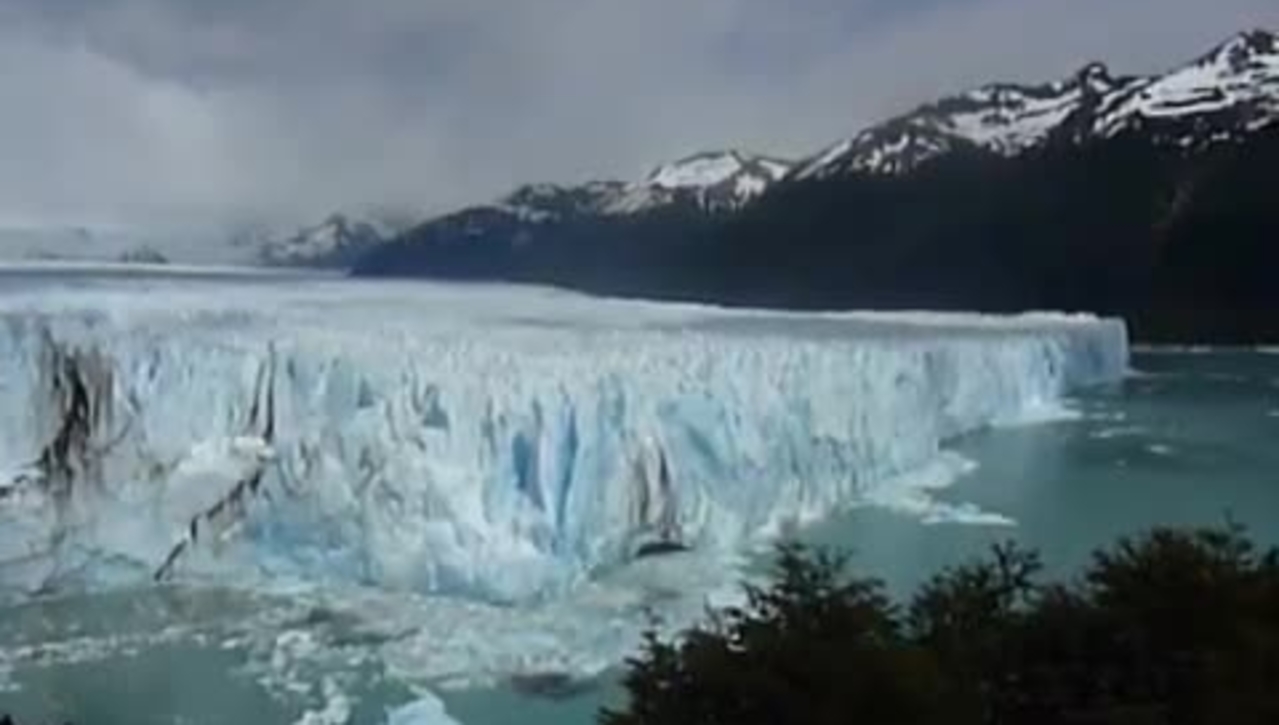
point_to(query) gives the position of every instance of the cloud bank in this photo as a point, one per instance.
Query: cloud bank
(135, 110)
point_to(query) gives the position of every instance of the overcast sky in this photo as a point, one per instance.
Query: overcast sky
(126, 110)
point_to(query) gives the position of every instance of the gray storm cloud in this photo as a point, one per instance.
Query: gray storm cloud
(127, 110)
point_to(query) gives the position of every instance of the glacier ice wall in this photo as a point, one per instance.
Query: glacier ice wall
(435, 443)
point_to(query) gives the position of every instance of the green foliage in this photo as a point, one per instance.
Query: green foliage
(788, 645)
(1173, 627)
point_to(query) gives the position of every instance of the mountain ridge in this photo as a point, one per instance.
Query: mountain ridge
(1241, 75)
(1097, 192)
(715, 181)
(1007, 118)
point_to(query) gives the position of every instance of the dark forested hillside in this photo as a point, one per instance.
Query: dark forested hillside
(1151, 197)
(1181, 242)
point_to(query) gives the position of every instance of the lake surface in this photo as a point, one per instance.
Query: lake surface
(1189, 439)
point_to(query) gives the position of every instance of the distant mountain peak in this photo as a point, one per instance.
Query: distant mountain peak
(714, 180)
(1233, 89)
(1240, 53)
(529, 194)
(1095, 78)
(335, 241)
(1247, 44)
(552, 202)
(710, 180)
(712, 168)
(697, 171)
(1093, 70)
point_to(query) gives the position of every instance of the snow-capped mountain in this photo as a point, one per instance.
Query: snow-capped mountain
(1146, 196)
(712, 182)
(718, 181)
(537, 203)
(600, 220)
(335, 242)
(1233, 89)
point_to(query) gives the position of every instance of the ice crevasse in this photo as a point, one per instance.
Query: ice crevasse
(505, 461)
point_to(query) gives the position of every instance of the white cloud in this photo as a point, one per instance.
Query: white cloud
(127, 109)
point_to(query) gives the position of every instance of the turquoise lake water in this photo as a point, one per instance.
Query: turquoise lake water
(1189, 439)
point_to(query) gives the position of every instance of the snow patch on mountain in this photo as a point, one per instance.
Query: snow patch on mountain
(1236, 87)
(706, 171)
(1241, 75)
(697, 172)
(713, 182)
(335, 242)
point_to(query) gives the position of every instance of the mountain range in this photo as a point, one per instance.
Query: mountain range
(335, 242)
(1146, 196)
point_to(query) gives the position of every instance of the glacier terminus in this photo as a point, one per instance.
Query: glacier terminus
(497, 444)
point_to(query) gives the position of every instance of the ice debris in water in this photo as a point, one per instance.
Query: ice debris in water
(336, 710)
(427, 710)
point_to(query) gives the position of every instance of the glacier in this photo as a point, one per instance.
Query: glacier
(500, 444)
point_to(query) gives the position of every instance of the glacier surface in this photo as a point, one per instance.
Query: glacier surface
(500, 444)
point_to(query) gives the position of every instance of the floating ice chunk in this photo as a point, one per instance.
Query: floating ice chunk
(966, 514)
(912, 494)
(1121, 431)
(336, 710)
(427, 710)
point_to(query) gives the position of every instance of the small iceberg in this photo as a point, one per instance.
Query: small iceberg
(428, 710)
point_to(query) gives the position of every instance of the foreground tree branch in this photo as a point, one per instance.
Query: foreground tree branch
(1168, 628)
